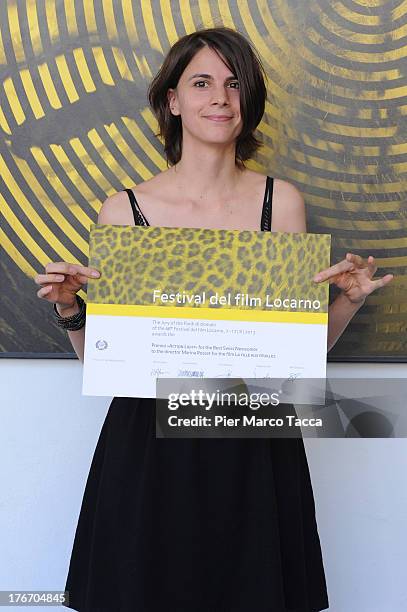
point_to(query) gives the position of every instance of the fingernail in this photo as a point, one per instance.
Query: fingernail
(94, 274)
(317, 277)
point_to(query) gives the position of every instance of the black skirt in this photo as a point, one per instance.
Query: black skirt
(194, 525)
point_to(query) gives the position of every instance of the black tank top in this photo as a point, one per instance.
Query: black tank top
(265, 225)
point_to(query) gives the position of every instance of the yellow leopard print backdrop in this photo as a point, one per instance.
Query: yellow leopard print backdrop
(135, 261)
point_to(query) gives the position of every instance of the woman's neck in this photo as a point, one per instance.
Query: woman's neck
(208, 178)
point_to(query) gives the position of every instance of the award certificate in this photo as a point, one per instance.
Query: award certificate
(205, 303)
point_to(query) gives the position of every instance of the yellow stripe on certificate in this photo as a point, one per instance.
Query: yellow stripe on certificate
(221, 314)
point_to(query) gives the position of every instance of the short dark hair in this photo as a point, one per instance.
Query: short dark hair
(242, 59)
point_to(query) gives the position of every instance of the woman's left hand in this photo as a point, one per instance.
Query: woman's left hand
(354, 276)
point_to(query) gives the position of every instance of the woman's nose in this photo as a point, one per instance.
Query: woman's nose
(219, 95)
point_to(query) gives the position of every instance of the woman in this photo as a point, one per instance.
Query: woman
(200, 524)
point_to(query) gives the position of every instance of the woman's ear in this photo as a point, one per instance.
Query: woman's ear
(172, 102)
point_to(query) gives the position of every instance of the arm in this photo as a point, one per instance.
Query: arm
(340, 312)
(108, 215)
(77, 338)
(354, 276)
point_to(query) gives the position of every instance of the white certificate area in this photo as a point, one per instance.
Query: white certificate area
(125, 354)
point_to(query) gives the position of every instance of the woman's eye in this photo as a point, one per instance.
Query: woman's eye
(232, 83)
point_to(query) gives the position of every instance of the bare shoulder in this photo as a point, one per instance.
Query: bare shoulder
(116, 209)
(286, 191)
(288, 208)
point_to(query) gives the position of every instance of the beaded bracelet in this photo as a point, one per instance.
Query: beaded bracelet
(74, 322)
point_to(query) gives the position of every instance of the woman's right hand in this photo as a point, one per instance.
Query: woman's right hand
(62, 281)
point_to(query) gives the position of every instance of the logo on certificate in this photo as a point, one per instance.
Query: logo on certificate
(101, 345)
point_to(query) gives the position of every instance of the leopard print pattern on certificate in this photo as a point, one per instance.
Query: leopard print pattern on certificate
(135, 260)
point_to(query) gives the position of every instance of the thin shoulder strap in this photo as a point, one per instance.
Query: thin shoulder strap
(267, 205)
(139, 218)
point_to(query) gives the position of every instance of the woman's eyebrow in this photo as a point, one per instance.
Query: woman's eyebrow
(208, 76)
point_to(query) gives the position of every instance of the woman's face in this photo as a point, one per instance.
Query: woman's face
(207, 98)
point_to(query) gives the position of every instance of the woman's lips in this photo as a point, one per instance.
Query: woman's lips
(219, 118)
